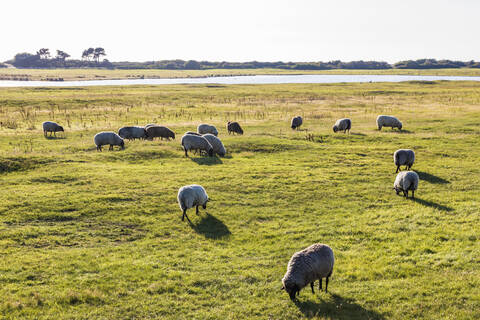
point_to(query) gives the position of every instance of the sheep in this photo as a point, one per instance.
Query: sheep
(406, 180)
(194, 133)
(342, 125)
(216, 143)
(388, 121)
(132, 133)
(108, 137)
(206, 128)
(404, 157)
(296, 122)
(193, 142)
(50, 126)
(190, 196)
(306, 266)
(234, 127)
(159, 131)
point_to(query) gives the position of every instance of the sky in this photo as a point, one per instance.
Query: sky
(246, 30)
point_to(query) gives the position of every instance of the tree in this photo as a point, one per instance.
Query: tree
(43, 53)
(87, 53)
(97, 53)
(62, 55)
(192, 65)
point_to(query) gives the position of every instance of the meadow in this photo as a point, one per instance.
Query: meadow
(107, 74)
(98, 235)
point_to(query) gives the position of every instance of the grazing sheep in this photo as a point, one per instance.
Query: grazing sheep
(193, 142)
(108, 137)
(388, 121)
(50, 126)
(404, 157)
(206, 128)
(190, 196)
(216, 143)
(342, 125)
(306, 266)
(296, 122)
(132, 133)
(234, 127)
(194, 133)
(159, 131)
(406, 180)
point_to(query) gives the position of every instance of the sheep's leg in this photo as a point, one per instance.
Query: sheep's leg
(413, 194)
(405, 193)
(111, 147)
(398, 168)
(185, 215)
(320, 285)
(186, 154)
(196, 211)
(311, 285)
(326, 284)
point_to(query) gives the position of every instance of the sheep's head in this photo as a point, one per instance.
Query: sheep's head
(400, 126)
(240, 130)
(335, 128)
(122, 145)
(60, 128)
(204, 206)
(210, 152)
(293, 127)
(172, 135)
(291, 288)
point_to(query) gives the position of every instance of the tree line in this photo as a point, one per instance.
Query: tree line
(91, 59)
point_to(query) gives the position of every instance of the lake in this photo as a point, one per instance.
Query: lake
(258, 79)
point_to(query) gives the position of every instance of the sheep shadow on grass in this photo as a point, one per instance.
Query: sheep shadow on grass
(55, 137)
(432, 204)
(211, 227)
(340, 308)
(208, 161)
(431, 178)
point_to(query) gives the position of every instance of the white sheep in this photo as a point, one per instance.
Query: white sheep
(216, 143)
(194, 142)
(206, 128)
(342, 125)
(108, 138)
(405, 181)
(190, 196)
(307, 266)
(50, 126)
(404, 157)
(388, 121)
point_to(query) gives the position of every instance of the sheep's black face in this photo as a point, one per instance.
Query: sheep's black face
(292, 290)
(204, 206)
(173, 136)
(293, 127)
(60, 128)
(122, 145)
(335, 129)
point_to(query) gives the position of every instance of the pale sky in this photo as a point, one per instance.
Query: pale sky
(246, 30)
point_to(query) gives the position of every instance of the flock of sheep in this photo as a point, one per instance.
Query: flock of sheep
(306, 266)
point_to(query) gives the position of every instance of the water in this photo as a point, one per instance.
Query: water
(260, 79)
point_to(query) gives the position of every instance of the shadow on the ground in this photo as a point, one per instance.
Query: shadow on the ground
(432, 204)
(340, 308)
(430, 177)
(207, 161)
(210, 227)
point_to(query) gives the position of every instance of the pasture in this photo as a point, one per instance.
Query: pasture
(85, 234)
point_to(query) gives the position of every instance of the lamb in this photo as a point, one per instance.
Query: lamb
(306, 266)
(216, 143)
(108, 137)
(404, 157)
(190, 196)
(159, 131)
(234, 127)
(50, 126)
(193, 142)
(406, 180)
(132, 133)
(388, 121)
(342, 125)
(296, 122)
(206, 128)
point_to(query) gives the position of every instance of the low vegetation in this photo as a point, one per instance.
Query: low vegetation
(87, 234)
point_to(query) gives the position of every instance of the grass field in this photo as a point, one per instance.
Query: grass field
(90, 235)
(103, 74)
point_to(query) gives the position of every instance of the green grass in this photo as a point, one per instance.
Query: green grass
(103, 74)
(96, 235)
